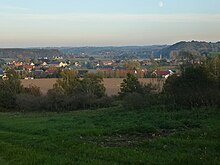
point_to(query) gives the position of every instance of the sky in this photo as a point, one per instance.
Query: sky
(52, 23)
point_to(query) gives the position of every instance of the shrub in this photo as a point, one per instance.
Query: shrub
(55, 99)
(194, 88)
(133, 101)
(91, 84)
(130, 85)
(7, 99)
(33, 90)
(30, 103)
(58, 101)
(103, 102)
(9, 89)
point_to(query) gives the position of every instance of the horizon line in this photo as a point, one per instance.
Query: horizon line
(102, 46)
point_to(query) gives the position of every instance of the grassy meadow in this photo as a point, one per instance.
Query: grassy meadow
(111, 136)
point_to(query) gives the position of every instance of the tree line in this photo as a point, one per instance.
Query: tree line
(198, 85)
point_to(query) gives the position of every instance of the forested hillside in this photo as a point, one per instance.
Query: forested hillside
(195, 47)
(31, 53)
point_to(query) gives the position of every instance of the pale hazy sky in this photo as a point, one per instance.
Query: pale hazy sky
(27, 23)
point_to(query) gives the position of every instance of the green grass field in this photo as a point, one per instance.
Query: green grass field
(111, 136)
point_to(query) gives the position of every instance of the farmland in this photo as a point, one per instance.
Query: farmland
(112, 85)
(111, 136)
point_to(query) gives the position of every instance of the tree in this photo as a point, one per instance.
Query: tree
(91, 58)
(20, 57)
(135, 95)
(132, 65)
(129, 85)
(9, 89)
(213, 67)
(133, 101)
(71, 92)
(193, 88)
(27, 60)
(68, 83)
(91, 84)
(13, 84)
(187, 57)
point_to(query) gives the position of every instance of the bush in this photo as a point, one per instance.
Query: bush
(55, 99)
(7, 99)
(58, 101)
(133, 101)
(91, 84)
(194, 88)
(33, 90)
(135, 95)
(103, 102)
(130, 85)
(9, 89)
(30, 103)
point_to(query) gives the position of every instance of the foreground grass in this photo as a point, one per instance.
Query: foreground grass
(111, 136)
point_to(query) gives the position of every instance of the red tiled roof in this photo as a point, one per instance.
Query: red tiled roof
(162, 73)
(28, 67)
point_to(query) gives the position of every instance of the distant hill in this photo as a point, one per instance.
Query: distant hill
(126, 51)
(196, 47)
(30, 53)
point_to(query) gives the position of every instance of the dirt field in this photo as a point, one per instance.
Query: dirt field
(112, 84)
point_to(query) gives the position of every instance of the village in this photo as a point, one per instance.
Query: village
(107, 68)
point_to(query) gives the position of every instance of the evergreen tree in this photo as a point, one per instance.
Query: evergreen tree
(130, 85)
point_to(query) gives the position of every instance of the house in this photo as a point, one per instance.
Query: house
(28, 68)
(17, 64)
(4, 77)
(38, 72)
(32, 64)
(146, 63)
(57, 58)
(77, 64)
(159, 59)
(29, 78)
(62, 64)
(50, 71)
(54, 64)
(171, 73)
(106, 63)
(44, 64)
(37, 67)
(163, 74)
(58, 64)
(144, 70)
